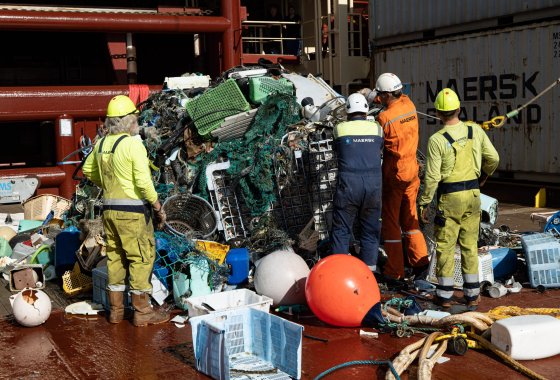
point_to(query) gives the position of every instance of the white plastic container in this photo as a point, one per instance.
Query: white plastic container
(229, 300)
(247, 343)
(527, 337)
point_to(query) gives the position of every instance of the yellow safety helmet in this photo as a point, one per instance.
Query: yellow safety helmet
(447, 100)
(120, 106)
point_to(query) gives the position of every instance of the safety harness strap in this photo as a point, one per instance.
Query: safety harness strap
(114, 145)
(452, 141)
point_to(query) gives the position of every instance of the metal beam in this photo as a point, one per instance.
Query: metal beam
(112, 22)
(47, 103)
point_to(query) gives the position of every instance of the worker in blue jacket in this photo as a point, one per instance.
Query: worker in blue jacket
(359, 143)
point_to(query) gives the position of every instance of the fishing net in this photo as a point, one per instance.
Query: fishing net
(251, 158)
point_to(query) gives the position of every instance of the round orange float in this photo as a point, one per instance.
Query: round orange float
(341, 289)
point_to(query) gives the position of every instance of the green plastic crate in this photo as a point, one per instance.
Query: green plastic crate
(211, 108)
(260, 88)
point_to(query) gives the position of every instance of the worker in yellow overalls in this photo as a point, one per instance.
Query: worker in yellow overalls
(119, 165)
(460, 157)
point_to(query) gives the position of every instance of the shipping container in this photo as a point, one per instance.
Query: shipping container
(493, 73)
(400, 21)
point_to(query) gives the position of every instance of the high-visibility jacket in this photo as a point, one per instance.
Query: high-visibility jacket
(130, 168)
(400, 127)
(119, 165)
(441, 162)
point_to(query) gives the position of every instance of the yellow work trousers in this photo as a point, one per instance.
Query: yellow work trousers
(457, 220)
(130, 250)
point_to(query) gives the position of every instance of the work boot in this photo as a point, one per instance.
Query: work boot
(144, 314)
(472, 304)
(445, 303)
(116, 313)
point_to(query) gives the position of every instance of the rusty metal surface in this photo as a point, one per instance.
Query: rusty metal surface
(71, 347)
(493, 73)
(48, 176)
(68, 347)
(110, 22)
(41, 103)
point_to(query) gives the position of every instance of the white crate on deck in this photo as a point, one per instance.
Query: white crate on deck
(228, 300)
(485, 269)
(246, 344)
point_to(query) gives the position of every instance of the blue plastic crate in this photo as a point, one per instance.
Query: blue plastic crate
(100, 280)
(542, 253)
(247, 340)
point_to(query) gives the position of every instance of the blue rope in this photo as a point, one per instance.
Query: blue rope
(360, 362)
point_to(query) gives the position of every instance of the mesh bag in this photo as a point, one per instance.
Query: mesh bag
(260, 88)
(189, 214)
(209, 110)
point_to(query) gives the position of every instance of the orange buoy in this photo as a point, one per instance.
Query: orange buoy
(341, 289)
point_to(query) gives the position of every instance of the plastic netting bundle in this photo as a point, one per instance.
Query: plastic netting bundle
(177, 253)
(251, 158)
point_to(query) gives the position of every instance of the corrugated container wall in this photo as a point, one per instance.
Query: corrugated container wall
(493, 73)
(407, 20)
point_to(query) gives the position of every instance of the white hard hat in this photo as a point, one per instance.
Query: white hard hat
(388, 82)
(356, 103)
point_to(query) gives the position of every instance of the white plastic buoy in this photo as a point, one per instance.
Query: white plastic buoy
(31, 307)
(527, 337)
(281, 275)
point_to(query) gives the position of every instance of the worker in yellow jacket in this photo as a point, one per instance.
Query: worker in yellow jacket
(119, 165)
(460, 157)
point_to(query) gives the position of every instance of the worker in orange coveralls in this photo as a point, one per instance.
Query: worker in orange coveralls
(400, 180)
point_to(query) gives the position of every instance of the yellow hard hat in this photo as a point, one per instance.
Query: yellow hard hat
(120, 106)
(447, 100)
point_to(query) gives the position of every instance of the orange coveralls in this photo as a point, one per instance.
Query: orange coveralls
(400, 188)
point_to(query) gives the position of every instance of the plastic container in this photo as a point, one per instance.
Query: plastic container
(229, 300)
(100, 292)
(485, 270)
(504, 262)
(37, 208)
(527, 337)
(66, 244)
(542, 252)
(247, 340)
(238, 260)
(74, 281)
(22, 251)
(215, 251)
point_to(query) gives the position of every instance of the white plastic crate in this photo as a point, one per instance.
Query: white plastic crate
(245, 344)
(485, 269)
(542, 252)
(228, 300)
(100, 280)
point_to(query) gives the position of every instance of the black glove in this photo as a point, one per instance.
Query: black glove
(159, 218)
(482, 179)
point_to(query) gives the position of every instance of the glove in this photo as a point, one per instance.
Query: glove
(159, 217)
(424, 214)
(482, 179)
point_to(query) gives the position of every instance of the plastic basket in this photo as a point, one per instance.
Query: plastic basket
(228, 300)
(100, 292)
(210, 109)
(260, 88)
(38, 208)
(74, 281)
(187, 213)
(213, 250)
(542, 252)
(235, 343)
(485, 269)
